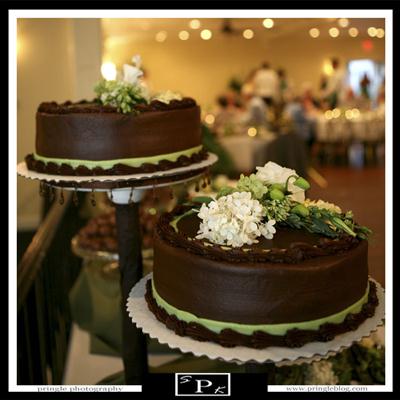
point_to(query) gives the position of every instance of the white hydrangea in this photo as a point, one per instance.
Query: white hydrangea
(323, 204)
(320, 373)
(234, 220)
(273, 173)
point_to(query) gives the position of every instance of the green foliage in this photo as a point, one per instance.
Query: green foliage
(359, 363)
(363, 364)
(225, 191)
(119, 94)
(253, 185)
(327, 223)
(202, 199)
(277, 209)
(225, 164)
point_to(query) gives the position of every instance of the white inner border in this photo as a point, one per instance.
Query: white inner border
(260, 13)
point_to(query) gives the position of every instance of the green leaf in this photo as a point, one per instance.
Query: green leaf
(202, 199)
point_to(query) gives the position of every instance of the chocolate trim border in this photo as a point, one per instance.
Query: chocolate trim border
(262, 340)
(296, 253)
(118, 169)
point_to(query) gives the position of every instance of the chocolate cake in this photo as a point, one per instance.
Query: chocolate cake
(88, 138)
(309, 282)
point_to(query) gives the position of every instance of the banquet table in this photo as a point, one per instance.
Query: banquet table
(247, 152)
(368, 126)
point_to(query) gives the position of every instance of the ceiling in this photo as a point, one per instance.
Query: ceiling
(132, 29)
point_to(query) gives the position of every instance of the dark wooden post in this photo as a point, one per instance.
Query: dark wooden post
(134, 349)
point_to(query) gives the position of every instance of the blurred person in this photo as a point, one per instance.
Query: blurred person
(335, 84)
(266, 84)
(285, 85)
(364, 86)
(255, 113)
(350, 100)
(381, 93)
(225, 118)
(303, 125)
(323, 83)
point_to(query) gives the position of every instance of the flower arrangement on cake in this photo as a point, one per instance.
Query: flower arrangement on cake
(274, 195)
(129, 90)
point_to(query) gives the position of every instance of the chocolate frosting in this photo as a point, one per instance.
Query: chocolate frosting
(291, 283)
(259, 339)
(106, 135)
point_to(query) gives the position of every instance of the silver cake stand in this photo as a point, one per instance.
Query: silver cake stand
(126, 192)
(255, 360)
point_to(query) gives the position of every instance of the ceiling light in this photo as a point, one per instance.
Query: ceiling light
(248, 34)
(334, 32)
(195, 24)
(161, 36)
(343, 22)
(372, 31)
(268, 23)
(206, 34)
(380, 33)
(353, 32)
(184, 35)
(314, 32)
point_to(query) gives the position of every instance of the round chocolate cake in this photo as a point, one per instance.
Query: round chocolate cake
(260, 265)
(88, 138)
(296, 288)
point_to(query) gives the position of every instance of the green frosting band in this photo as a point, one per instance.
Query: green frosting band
(132, 162)
(273, 329)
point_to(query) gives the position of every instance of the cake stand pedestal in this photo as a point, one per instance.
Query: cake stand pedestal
(255, 360)
(126, 191)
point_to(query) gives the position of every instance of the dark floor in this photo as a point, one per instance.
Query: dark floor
(363, 192)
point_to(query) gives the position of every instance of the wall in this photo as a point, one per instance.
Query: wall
(202, 69)
(48, 69)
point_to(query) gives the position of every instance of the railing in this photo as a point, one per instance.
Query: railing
(46, 273)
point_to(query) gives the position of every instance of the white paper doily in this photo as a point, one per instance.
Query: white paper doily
(145, 320)
(22, 170)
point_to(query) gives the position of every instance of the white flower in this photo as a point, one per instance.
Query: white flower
(323, 204)
(131, 74)
(234, 220)
(320, 373)
(137, 60)
(273, 173)
(268, 229)
(167, 96)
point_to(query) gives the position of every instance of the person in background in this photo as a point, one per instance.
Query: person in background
(266, 84)
(285, 85)
(255, 113)
(335, 84)
(350, 100)
(364, 86)
(226, 115)
(302, 124)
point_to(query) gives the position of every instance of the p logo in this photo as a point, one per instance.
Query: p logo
(197, 384)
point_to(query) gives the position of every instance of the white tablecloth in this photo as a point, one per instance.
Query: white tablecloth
(367, 127)
(247, 152)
